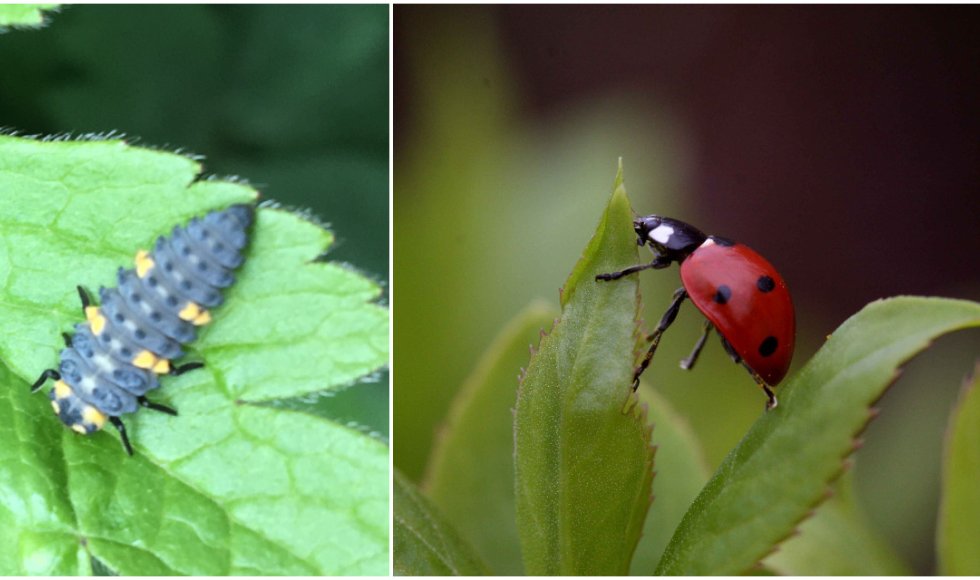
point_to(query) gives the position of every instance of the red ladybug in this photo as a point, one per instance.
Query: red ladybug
(736, 289)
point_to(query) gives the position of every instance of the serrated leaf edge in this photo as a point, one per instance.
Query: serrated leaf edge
(845, 463)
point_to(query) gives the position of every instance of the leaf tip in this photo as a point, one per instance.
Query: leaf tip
(619, 185)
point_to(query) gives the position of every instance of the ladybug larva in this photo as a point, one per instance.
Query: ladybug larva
(118, 354)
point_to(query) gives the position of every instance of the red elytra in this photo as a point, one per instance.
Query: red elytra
(739, 292)
(757, 317)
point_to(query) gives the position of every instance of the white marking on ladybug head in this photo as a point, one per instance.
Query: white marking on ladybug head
(661, 234)
(707, 242)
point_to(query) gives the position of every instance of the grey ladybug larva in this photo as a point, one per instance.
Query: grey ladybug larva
(118, 354)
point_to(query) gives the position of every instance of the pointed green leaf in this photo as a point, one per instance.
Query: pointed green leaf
(837, 541)
(583, 456)
(425, 544)
(783, 466)
(681, 473)
(236, 483)
(959, 511)
(471, 474)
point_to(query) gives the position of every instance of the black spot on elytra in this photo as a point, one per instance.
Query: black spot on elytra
(768, 346)
(723, 294)
(765, 284)
(723, 241)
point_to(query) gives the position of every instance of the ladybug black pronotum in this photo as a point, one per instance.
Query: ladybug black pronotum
(737, 290)
(118, 354)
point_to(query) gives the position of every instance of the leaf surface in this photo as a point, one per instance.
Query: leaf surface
(424, 543)
(681, 473)
(583, 456)
(23, 14)
(837, 541)
(471, 474)
(782, 468)
(959, 510)
(235, 484)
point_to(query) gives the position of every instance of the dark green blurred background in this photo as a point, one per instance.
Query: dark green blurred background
(840, 142)
(292, 98)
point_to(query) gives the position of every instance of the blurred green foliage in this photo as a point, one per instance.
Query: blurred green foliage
(959, 523)
(428, 545)
(492, 207)
(490, 214)
(293, 98)
(23, 14)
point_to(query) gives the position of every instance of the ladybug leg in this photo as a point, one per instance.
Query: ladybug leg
(156, 406)
(118, 424)
(772, 402)
(654, 338)
(47, 374)
(731, 351)
(688, 363)
(658, 263)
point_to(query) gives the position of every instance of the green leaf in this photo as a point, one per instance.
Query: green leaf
(783, 466)
(959, 511)
(235, 484)
(681, 473)
(23, 14)
(837, 541)
(583, 456)
(425, 544)
(471, 474)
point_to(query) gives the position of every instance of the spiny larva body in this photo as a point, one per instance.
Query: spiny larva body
(118, 354)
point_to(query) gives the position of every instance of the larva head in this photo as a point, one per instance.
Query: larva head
(75, 413)
(244, 213)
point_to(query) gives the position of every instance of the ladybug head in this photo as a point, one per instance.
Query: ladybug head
(667, 236)
(643, 225)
